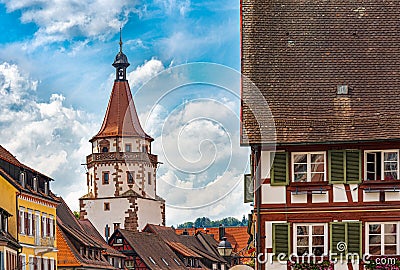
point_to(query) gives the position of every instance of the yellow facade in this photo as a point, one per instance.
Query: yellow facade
(38, 241)
(8, 201)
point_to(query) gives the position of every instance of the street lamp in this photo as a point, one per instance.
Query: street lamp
(225, 248)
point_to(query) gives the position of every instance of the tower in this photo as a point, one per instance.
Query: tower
(121, 170)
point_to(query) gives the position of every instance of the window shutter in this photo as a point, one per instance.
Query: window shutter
(353, 166)
(281, 239)
(336, 167)
(279, 169)
(338, 235)
(354, 238)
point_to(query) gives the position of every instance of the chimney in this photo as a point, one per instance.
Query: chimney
(221, 230)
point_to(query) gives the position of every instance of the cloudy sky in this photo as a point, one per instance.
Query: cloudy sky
(56, 77)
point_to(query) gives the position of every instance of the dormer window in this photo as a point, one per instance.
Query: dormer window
(35, 184)
(22, 179)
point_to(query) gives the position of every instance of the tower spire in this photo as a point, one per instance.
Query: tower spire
(120, 40)
(120, 62)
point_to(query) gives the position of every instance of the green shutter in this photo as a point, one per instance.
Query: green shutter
(338, 235)
(353, 166)
(279, 169)
(281, 239)
(336, 167)
(354, 238)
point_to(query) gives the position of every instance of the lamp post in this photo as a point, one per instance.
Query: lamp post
(225, 250)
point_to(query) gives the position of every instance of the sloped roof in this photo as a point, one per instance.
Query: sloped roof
(237, 236)
(121, 117)
(154, 252)
(91, 230)
(192, 242)
(297, 54)
(72, 231)
(7, 169)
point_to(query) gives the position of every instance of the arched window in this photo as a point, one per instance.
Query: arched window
(104, 149)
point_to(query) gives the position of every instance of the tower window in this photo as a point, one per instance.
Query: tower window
(149, 178)
(104, 149)
(106, 178)
(131, 177)
(106, 206)
(128, 147)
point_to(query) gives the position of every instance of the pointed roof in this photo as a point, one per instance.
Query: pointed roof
(121, 118)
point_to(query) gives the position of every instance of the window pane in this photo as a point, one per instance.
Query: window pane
(371, 176)
(317, 167)
(390, 228)
(375, 250)
(302, 230)
(390, 176)
(371, 167)
(302, 241)
(390, 166)
(318, 241)
(302, 158)
(302, 250)
(390, 250)
(318, 230)
(317, 158)
(375, 228)
(318, 251)
(300, 168)
(317, 177)
(374, 239)
(370, 157)
(390, 156)
(300, 177)
(390, 239)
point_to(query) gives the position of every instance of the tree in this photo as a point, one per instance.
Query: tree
(205, 222)
(77, 214)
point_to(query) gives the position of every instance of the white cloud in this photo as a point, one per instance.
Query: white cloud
(145, 72)
(60, 20)
(46, 136)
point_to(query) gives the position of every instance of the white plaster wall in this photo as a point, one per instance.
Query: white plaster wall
(354, 192)
(320, 198)
(273, 194)
(99, 217)
(149, 211)
(107, 190)
(265, 164)
(371, 197)
(299, 198)
(339, 193)
(392, 196)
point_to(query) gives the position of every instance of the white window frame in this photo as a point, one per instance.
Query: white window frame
(308, 164)
(30, 218)
(44, 217)
(382, 237)
(51, 220)
(23, 261)
(30, 262)
(22, 220)
(52, 265)
(310, 236)
(382, 163)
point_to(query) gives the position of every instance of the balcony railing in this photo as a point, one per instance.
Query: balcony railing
(122, 156)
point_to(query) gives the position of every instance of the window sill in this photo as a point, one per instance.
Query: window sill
(298, 188)
(371, 186)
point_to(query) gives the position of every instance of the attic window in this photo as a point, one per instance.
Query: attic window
(342, 89)
(151, 259)
(166, 263)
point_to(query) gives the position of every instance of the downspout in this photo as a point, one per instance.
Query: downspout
(257, 202)
(19, 251)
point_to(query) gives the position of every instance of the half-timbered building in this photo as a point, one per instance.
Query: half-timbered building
(326, 172)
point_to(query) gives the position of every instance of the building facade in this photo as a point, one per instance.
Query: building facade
(121, 177)
(326, 172)
(33, 221)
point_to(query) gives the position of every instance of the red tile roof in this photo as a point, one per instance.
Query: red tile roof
(297, 54)
(121, 117)
(237, 236)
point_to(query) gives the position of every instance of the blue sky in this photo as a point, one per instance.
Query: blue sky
(56, 77)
